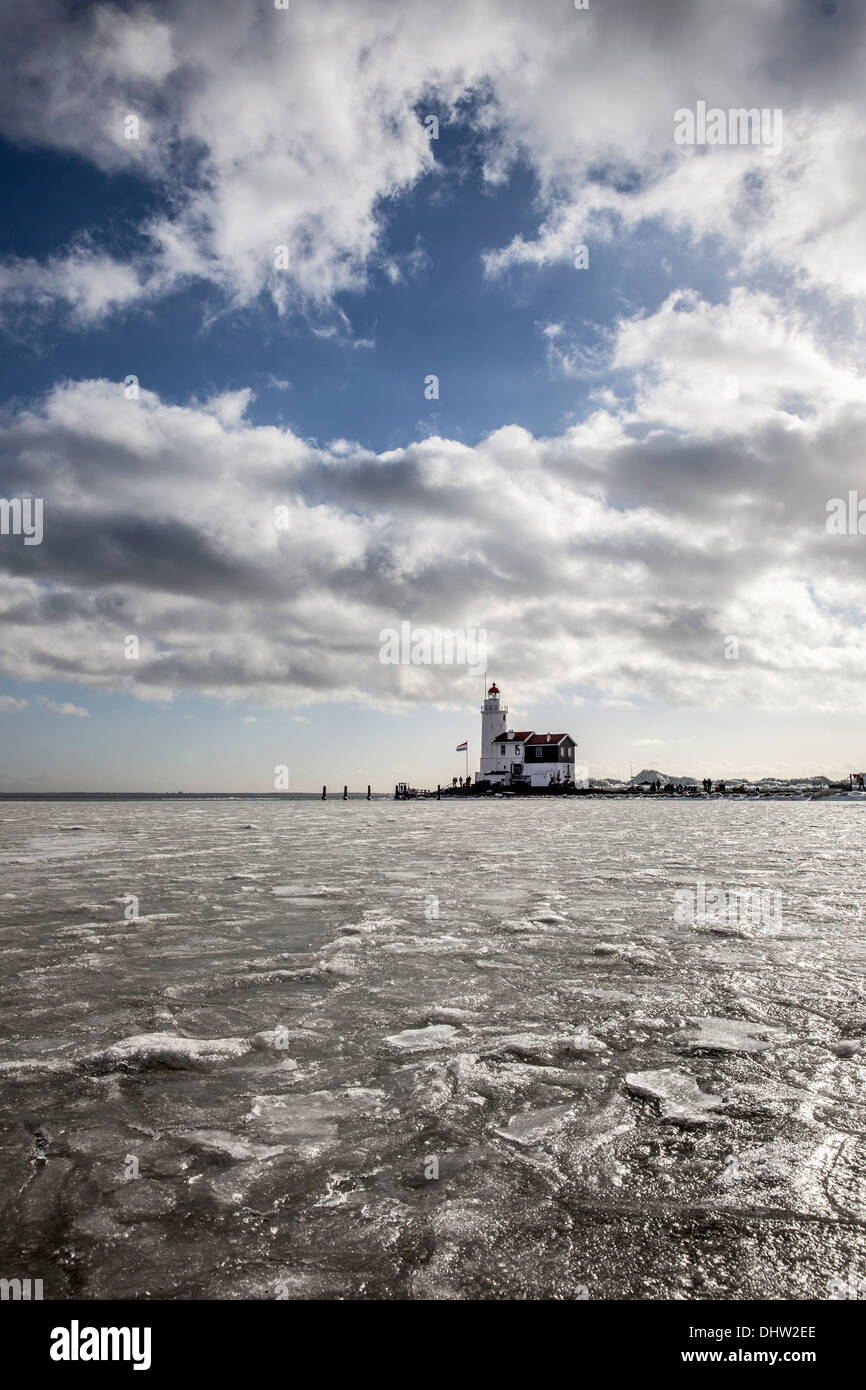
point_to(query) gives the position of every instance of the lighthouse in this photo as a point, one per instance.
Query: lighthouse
(494, 722)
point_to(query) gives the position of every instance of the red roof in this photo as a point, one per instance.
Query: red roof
(494, 689)
(548, 738)
(518, 738)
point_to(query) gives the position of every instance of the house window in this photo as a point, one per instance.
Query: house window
(538, 752)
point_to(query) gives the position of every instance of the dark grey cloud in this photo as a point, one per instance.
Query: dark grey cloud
(621, 575)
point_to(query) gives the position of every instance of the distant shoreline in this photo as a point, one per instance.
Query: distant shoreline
(191, 796)
(449, 794)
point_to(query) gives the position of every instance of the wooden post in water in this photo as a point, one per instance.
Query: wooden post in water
(324, 793)
(345, 793)
(438, 792)
(368, 791)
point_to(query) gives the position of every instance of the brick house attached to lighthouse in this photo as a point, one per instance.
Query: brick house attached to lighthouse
(521, 757)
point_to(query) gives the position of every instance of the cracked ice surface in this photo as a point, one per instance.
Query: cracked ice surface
(287, 1072)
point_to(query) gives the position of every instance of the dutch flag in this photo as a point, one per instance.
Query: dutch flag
(461, 747)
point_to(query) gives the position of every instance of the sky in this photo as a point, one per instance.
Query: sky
(321, 320)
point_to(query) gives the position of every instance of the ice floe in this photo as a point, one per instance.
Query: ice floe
(420, 1039)
(308, 1123)
(680, 1098)
(220, 1141)
(543, 1047)
(533, 1126)
(730, 1035)
(169, 1050)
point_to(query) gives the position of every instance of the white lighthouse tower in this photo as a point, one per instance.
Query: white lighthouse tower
(494, 721)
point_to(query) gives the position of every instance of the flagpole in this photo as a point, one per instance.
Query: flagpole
(467, 760)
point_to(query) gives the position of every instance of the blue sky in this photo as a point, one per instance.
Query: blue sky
(482, 337)
(627, 464)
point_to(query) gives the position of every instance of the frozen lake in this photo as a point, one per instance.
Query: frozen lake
(519, 1049)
